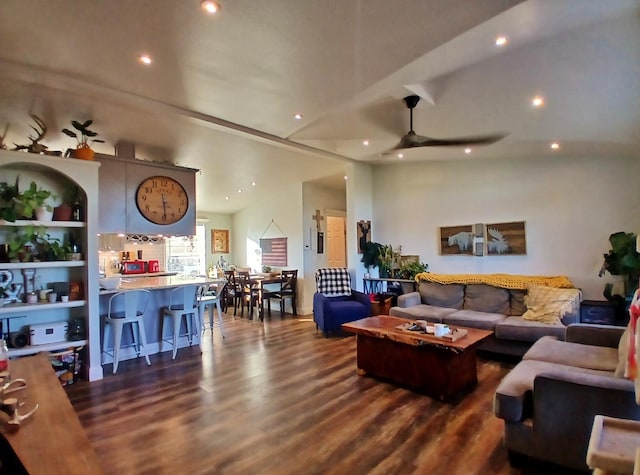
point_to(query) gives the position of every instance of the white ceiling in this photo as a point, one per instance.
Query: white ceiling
(221, 92)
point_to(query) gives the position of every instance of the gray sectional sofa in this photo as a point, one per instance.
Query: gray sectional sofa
(549, 399)
(481, 306)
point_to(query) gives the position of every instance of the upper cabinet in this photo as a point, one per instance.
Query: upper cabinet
(168, 202)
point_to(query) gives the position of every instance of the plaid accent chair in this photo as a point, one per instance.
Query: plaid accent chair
(335, 302)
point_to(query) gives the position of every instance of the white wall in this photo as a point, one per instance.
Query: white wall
(321, 198)
(570, 206)
(255, 222)
(216, 221)
(359, 207)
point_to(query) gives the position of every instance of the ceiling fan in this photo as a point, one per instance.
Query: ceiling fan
(413, 140)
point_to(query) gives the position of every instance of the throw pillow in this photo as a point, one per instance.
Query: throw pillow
(623, 353)
(549, 305)
(333, 282)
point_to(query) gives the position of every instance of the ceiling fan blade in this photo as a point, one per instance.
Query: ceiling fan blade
(413, 140)
(457, 142)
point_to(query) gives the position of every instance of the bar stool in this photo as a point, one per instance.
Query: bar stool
(207, 299)
(183, 302)
(126, 307)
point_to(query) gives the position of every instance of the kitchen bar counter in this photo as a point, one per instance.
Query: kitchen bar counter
(156, 283)
(160, 288)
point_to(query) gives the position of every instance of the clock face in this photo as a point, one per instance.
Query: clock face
(162, 200)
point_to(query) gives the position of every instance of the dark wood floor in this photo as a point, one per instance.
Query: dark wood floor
(279, 398)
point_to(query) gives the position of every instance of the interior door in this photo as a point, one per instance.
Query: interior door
(336, 242)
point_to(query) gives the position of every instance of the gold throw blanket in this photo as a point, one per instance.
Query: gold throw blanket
(505, 281)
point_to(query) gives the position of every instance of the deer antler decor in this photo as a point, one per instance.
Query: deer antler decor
(35, 146)
(3, 146)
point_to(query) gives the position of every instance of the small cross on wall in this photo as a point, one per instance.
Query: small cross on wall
(317, 218)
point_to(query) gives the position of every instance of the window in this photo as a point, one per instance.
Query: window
(186, 254)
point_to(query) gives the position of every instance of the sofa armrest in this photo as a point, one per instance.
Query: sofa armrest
(409, 300)
(591, 334)
(564, 406)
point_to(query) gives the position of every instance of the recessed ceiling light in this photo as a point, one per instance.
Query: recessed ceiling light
(239, 190)
(537, 101)
(501, 40)
(467, 151)
(400, 155)
(210, 6)
(226, 197)
(345, 177)
(298, 116)
(145, 59)
(253, 183)
(365, 143)
(555, 146)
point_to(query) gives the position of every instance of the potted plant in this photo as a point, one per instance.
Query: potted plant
(370, 254)
(408, 270)
(64, 211)
(623, 260)
(8, 195)
(31, 199)
(85, 139)
(17, 247)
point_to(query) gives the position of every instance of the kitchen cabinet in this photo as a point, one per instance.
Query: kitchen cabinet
(119, 181)
(58, 174)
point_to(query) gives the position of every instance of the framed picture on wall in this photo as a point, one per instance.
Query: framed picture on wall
(220, 241)
(506, 239)
(364, 234)
(456, 240)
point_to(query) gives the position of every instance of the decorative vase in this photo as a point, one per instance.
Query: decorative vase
(43, 214)
(84, 152)
(62, 213)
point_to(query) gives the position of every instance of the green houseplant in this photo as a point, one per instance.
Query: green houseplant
(84, 137)
(8, 195)
(623, 260)
(370, 254)
(31, 199)
(408, 270)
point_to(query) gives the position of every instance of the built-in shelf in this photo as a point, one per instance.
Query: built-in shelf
(41, 265)
(48, 224)
(20, 307)
(32, 350)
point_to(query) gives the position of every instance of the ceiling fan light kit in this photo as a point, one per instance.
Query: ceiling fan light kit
(413, 140)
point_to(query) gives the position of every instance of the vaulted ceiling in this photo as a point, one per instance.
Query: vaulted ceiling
(221, 92)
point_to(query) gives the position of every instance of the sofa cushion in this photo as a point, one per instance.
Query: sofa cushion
(623, 353)
(552, 350)
(548, 305)
(441, 295)
(486, 298)
(422, 312)
(512, 400)
(517, 328)
(516, 304)
(473, 319)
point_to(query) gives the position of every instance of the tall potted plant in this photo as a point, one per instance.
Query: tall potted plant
(85, 139)
(623, 260)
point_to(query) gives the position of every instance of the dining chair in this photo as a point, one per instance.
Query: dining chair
(208, 298)
(232, 293)
(183, 302)
(249, 292)
(126, 307)
(288, 290)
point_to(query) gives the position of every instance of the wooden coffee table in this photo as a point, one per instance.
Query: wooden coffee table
(438, 367)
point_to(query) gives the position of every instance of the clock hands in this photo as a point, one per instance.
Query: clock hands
(164, 207)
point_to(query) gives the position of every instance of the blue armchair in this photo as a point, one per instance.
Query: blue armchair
(335, 302)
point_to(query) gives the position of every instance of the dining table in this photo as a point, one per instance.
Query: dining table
(260, 282)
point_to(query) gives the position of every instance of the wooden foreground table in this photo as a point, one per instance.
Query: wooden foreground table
(51, 441)
(430, 364)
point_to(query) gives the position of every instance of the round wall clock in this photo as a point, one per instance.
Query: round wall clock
(162, 200)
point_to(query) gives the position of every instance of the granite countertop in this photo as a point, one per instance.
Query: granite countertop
(162, 282)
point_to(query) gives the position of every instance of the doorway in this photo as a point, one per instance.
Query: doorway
(336, 241)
